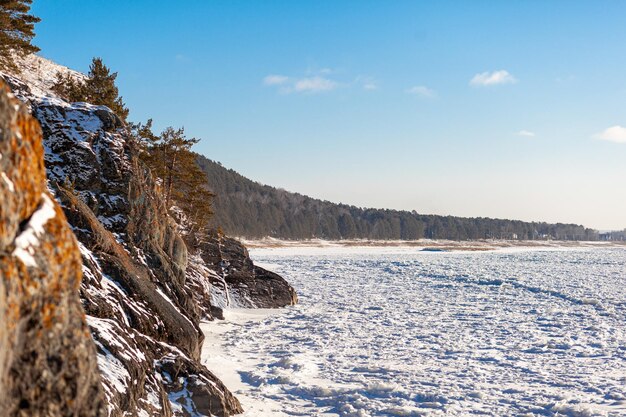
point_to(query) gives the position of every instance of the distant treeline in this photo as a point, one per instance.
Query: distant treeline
(248, 209)
(618, 235)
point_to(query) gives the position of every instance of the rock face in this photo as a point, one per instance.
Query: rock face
(47, 358)
(142, 315)
(237, 282)
(143, 290)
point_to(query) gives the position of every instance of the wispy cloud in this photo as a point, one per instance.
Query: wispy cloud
(492, 78)
(612, 134)
(314, 85)
(526, 133)
(318, 81)
(309, 84)
(275, 80)
(422, 91)
(366, 82)
(315, 70)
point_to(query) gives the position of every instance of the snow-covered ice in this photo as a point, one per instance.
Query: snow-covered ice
(408, 333)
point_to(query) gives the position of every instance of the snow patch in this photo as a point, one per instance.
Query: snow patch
(28, 240)
(40, 74)
(8, 182)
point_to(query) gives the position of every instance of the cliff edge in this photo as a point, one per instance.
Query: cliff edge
(47, 358)
(143, 289)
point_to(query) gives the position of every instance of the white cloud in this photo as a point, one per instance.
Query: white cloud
(315, 71)
(526, 133)
(613, 134)
(366, 82)
(314, 85)
(306, 84)
(493, 78)
(422, 91)
(275, 80)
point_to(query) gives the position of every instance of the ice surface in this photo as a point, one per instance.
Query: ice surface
(408, 333)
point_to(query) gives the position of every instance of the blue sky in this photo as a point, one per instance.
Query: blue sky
(470, 108)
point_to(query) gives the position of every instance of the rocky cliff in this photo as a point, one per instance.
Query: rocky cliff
(237, 282)
(144, 291)
(47, 358)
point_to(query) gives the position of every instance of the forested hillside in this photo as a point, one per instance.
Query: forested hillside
(248, 209)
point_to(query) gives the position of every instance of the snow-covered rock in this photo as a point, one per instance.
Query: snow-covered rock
(40, 74)
(48, 363)
(237, 282)
(143, 316)
(143, 291)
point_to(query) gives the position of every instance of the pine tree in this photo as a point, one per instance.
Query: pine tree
(193, 196)
(101, 88)
(17, 29)
(69, 88)
(143, 139)
(170, 158)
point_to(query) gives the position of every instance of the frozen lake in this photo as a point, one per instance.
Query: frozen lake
(396, 332)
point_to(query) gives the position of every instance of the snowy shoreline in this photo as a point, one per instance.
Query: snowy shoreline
(228, 367)
(428, 244)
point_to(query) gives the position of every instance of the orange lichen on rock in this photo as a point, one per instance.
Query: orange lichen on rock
(47, 358)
